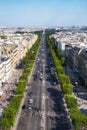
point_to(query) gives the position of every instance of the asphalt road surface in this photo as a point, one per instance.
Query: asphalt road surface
(46, 110)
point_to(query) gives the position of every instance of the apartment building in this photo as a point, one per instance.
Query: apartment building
(2, 71)
(12, 50)
(76, 58)
(82, 67)
(13, 55)
(8, 70)
(5, 69)
(74, 45)
(22, 50)
(60, 45)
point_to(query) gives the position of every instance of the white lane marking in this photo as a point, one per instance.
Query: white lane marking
(43, 109)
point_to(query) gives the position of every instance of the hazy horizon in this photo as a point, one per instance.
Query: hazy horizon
(37, 13)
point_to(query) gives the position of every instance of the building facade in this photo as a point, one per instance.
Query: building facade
(76, 58)
(12, 52)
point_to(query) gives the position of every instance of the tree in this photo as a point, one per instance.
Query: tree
(71, 101)
(9, 115)
(5, 123)
(64, 78)
(67, 88)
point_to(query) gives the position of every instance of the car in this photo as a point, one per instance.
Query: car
(34, 76)
(41, 74)
(38, 59)
(30, 94)
(54, 83)
(37, 71)
(29, 106)
(41, 77)
(31, 101)
(24, 106)
(75, 83)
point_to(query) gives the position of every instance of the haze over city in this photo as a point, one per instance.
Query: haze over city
(43, 13)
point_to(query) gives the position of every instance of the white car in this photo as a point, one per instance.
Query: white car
(31, 101)
(29, 107)
(41, 78)
(38, 71)
(54, 83)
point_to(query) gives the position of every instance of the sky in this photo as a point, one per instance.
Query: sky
(39, 13)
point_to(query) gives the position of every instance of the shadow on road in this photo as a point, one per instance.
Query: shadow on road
(80, 92)
(60, 118)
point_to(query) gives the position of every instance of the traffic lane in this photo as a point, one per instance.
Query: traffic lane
(49, 122)
(24, 119)
(30, 116)
(60, 116)
(36, 106)
(49, 114)
(56, 103)
(55, 111)
(33, 112)
(27, 117)
(36, 89)
(57, 107)
(34, 120)
(37, 95)
(31, 121)
(50, 106)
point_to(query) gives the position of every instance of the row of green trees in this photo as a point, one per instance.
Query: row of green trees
(79, 120)
(10, 113)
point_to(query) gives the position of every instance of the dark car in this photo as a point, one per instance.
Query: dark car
(24, 107)
(34, 76)
(30, 94)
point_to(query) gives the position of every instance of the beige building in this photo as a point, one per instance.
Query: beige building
(12, 52)
(8, 70)
(8, 61)
(2, 72)
(76, 58)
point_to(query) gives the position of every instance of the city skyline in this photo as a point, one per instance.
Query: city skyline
(31, 13)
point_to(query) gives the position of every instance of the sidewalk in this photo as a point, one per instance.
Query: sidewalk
(8, 88)
(80, 93)
(13, 79)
